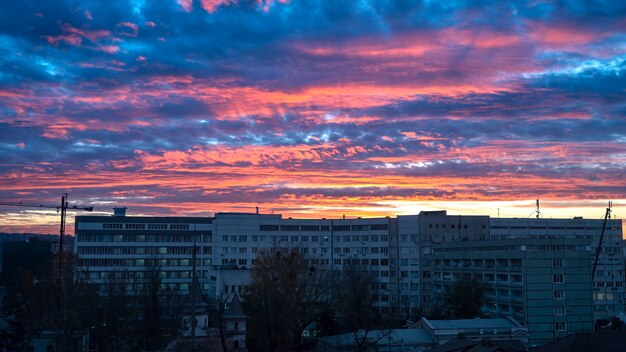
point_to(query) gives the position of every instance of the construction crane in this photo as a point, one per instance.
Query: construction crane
(607, 216)
(63, 207)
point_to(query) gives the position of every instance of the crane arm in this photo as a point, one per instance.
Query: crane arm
(48, 206)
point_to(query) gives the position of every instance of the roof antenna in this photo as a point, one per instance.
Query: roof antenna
(536, 211)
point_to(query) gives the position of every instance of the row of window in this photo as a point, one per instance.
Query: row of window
(142, 250)
(477, 263)
(443, 226)
(361, 250)
(110, 262)
(143, 226)
(362, 238)
(283, 238)
(125, 276)
(546, 227)
(91, 237)
(324, 228)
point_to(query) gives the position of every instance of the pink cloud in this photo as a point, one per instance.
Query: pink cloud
(186, 4)
(134, 29)
(211, 6)
(74, 36)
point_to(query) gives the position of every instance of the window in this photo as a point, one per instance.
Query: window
(157, 226)
(243, 238)
(309, 228)
(112, 226)
(135, 226)
(557, 278)
(179, 227)
(268, 228)
(290, 228)
(341, 228)
(559, 294)
(560, 310)
(557, 263)
(559, 326)
(378, 227)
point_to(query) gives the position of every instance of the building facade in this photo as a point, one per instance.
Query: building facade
(398, 250)
(608, 283)
(543, 283)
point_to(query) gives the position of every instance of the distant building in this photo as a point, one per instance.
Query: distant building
(378, 340)
(443, 331)
(235, 323)
(544, 283)
(462, 344)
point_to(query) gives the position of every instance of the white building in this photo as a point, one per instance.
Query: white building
(397, 249)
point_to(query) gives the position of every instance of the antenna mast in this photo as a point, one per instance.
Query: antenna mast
(607, 215)
(536, 211)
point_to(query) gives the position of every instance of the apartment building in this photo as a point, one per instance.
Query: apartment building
(608, 283)
(543, 283)
(131, 246)
(397, 249)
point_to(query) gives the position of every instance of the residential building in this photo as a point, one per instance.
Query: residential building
(400, 340)
(544, 283)
(496, 329)
(608, 283)
(398, 250)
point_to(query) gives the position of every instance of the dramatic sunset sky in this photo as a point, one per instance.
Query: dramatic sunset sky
(312, 108)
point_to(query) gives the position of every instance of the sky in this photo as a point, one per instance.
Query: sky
(312, 108)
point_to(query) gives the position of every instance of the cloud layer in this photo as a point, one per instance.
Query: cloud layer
(311, 108)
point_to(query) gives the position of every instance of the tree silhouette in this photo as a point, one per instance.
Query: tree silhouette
(285, 295)
(465, 299)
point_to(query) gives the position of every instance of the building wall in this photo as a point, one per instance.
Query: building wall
(130, 246)
(544, 283)
(397, 250)
(608, 284)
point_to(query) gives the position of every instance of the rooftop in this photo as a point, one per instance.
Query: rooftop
(456, 324)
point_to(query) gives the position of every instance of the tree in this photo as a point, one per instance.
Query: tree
(159, 307)
(353, 304)
(113, 331)
(61, 302)
(285, 295)
(465, 299)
